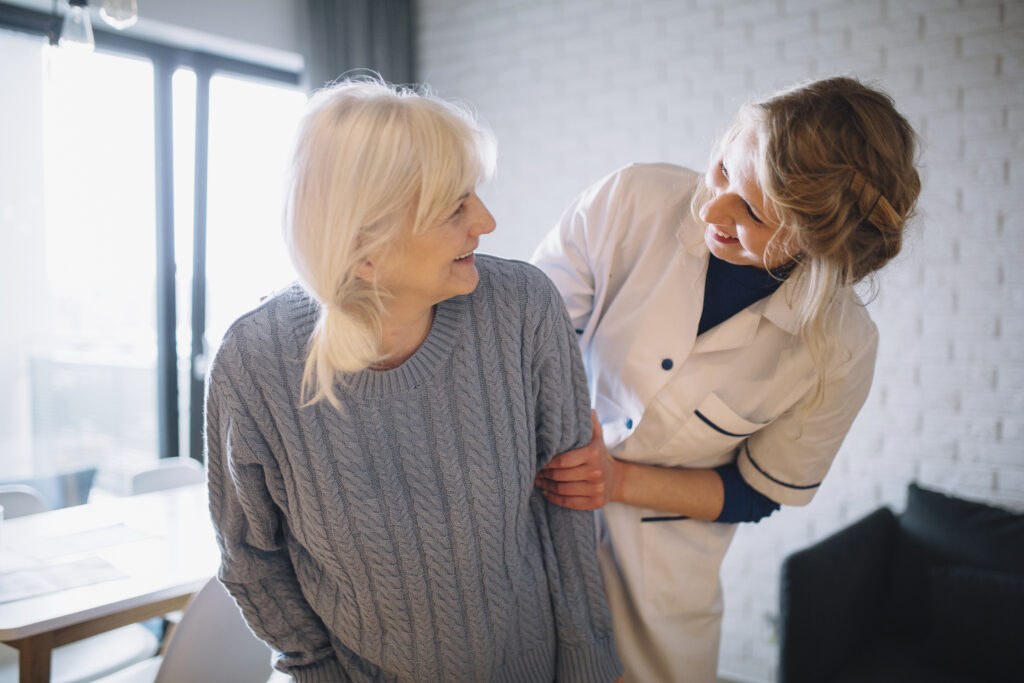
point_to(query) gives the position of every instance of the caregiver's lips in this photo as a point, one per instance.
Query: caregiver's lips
(721, 236)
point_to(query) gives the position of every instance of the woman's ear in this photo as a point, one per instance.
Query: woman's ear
(366, 270)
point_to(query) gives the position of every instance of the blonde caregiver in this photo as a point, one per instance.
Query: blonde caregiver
(726, 350)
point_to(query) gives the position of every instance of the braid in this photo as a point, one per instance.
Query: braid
(873, 198)
(880, 227)
(838, 164)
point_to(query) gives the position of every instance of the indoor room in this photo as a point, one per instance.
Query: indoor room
(146, 165)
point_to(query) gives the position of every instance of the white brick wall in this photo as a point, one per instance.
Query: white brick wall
(576, 88)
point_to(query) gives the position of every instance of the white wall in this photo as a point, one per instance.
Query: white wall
(575, 88)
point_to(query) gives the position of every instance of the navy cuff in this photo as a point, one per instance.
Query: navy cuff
(742, 502)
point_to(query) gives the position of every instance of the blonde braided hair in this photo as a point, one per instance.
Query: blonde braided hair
(838, 165)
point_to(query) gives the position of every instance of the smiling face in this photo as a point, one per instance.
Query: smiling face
(437, 263)
(740, 223)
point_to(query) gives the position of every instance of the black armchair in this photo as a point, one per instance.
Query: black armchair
(934, 594)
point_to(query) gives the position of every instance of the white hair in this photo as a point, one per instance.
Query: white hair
(370, 158)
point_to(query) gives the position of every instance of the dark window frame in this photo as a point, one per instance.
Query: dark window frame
(166, 59)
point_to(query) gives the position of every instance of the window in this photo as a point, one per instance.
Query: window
(250, 131)
(114, 286)
(248, 157)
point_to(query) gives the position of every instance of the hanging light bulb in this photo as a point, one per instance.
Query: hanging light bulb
(76, 29)
(120, 13)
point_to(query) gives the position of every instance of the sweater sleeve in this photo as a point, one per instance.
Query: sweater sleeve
(255, 566)
(586, 647)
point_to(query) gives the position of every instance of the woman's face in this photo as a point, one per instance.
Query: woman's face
(438, 263)
(739, 223)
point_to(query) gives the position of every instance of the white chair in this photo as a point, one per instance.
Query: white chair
(19, 500)
(212, 643)
(62, 489)
(167, 474)
(84, 660)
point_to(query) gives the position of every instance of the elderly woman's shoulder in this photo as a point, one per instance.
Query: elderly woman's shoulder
(285, 315)
(504, 272)
(515, 281)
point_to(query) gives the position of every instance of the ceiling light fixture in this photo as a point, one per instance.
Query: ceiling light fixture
(76, 27)
(120, 13)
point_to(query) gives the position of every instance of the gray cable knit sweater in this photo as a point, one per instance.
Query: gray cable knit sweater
(402, 539)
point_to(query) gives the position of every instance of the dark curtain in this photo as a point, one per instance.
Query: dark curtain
(360, 34)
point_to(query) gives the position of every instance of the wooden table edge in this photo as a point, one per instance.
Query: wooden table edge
(35, 651)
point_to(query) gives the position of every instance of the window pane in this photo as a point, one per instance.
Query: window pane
(251, 129)
(183, 95)
(22, 227)
(77, 216)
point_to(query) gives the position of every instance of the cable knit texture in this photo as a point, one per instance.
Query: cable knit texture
(402, 539)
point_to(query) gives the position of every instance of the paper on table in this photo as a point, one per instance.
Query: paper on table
(49, 547)
(26, 583)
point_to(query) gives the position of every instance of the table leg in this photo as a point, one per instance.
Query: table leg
(35, 652)
(34, 658)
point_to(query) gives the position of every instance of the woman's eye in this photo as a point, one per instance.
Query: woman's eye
(725, 171)
(461, 207)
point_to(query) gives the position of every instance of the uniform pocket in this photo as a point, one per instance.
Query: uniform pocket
(681, 560)
(713, 431)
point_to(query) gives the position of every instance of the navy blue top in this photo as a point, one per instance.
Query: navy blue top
(728, 289)
(743, 503)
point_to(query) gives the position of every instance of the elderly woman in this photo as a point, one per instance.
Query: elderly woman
(725, 345)
(373, 433)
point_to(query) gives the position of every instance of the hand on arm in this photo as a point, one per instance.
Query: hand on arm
(584, 478)
(588, 477)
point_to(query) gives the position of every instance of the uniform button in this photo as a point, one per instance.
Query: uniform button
(666, 364)
(629, 423)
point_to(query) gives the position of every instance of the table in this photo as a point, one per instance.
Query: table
(161, 544)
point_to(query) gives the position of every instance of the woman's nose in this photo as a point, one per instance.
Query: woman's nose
(483, 223)
(714, 210)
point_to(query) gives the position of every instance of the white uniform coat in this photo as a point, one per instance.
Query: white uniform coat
(630, 263)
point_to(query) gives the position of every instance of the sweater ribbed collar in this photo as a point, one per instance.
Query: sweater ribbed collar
(419, 367)
(301, 310)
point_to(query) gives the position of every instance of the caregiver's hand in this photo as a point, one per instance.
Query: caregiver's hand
(584, 478)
